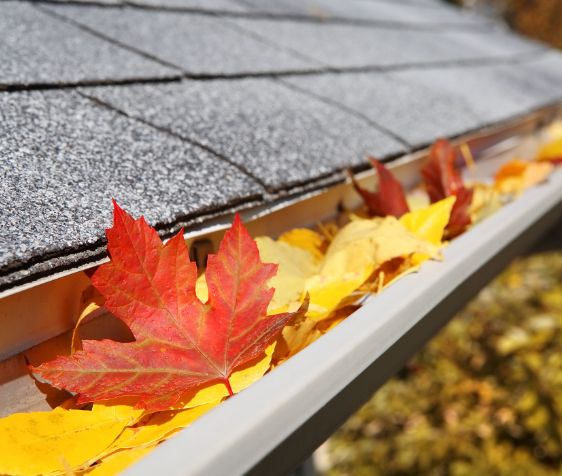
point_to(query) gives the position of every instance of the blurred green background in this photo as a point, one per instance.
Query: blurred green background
(485, 396)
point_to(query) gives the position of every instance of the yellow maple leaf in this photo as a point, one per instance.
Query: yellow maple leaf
(354, 254)
(296, 265)
(552, 150)
(306, 239)
(157, 427)
(428, 223)
(122, 408)
(51, 442)
(116, 462)
(295, 338)
(485, 201)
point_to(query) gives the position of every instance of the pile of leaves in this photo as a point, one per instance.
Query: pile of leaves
(483, 397)
(198, 337)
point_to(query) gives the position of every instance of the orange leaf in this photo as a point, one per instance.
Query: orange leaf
(517, 175)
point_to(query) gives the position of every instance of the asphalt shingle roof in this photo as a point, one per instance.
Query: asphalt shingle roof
(280, 136)
(188, 109)
(38, 49)
(197, 44)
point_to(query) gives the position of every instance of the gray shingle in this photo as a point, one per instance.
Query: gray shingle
(205, 5)
(281, 136)
(64, 158)
(495, 93)
(415, 112)
(36, 48)
(421, 106)
(541, 77)
(365, 10)
(343, 46)
(199, 44)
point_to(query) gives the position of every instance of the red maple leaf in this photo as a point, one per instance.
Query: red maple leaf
(181, 343)
(442, 180)
(389, 199)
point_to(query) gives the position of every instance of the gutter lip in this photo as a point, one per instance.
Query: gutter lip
(239, 436)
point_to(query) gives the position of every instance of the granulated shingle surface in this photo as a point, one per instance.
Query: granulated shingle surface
(36, 48)
(281, 136)
(442, 101)
(65, 157)
(493, 94)
(198, 44)
(346, 46)
(384, 98)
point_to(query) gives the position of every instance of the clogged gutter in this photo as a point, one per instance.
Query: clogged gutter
(335, 266)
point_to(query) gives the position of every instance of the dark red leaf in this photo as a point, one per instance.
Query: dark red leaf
(389, 199)
(442, 179)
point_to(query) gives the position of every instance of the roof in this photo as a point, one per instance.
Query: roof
(184, 110)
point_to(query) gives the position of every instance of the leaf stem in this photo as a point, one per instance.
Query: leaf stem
(228, 387)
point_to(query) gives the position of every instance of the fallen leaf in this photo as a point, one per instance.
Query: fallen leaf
(240, 379)
(516, 176)
(329, 230)
(116, 462)
(429, 223)
(485, 201)
(327, 291)
(181, 343)
(47, 442)
(360, 247)
(372, 241)
(338, 316)
(120, 409)
(440, 176)
(460, 216)
(551, 151)
(91, 303)
(408, 266)
(296, 265)
(306, 239)
(442, 179)
(389, 199)
(294, 338)
(157, 427)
